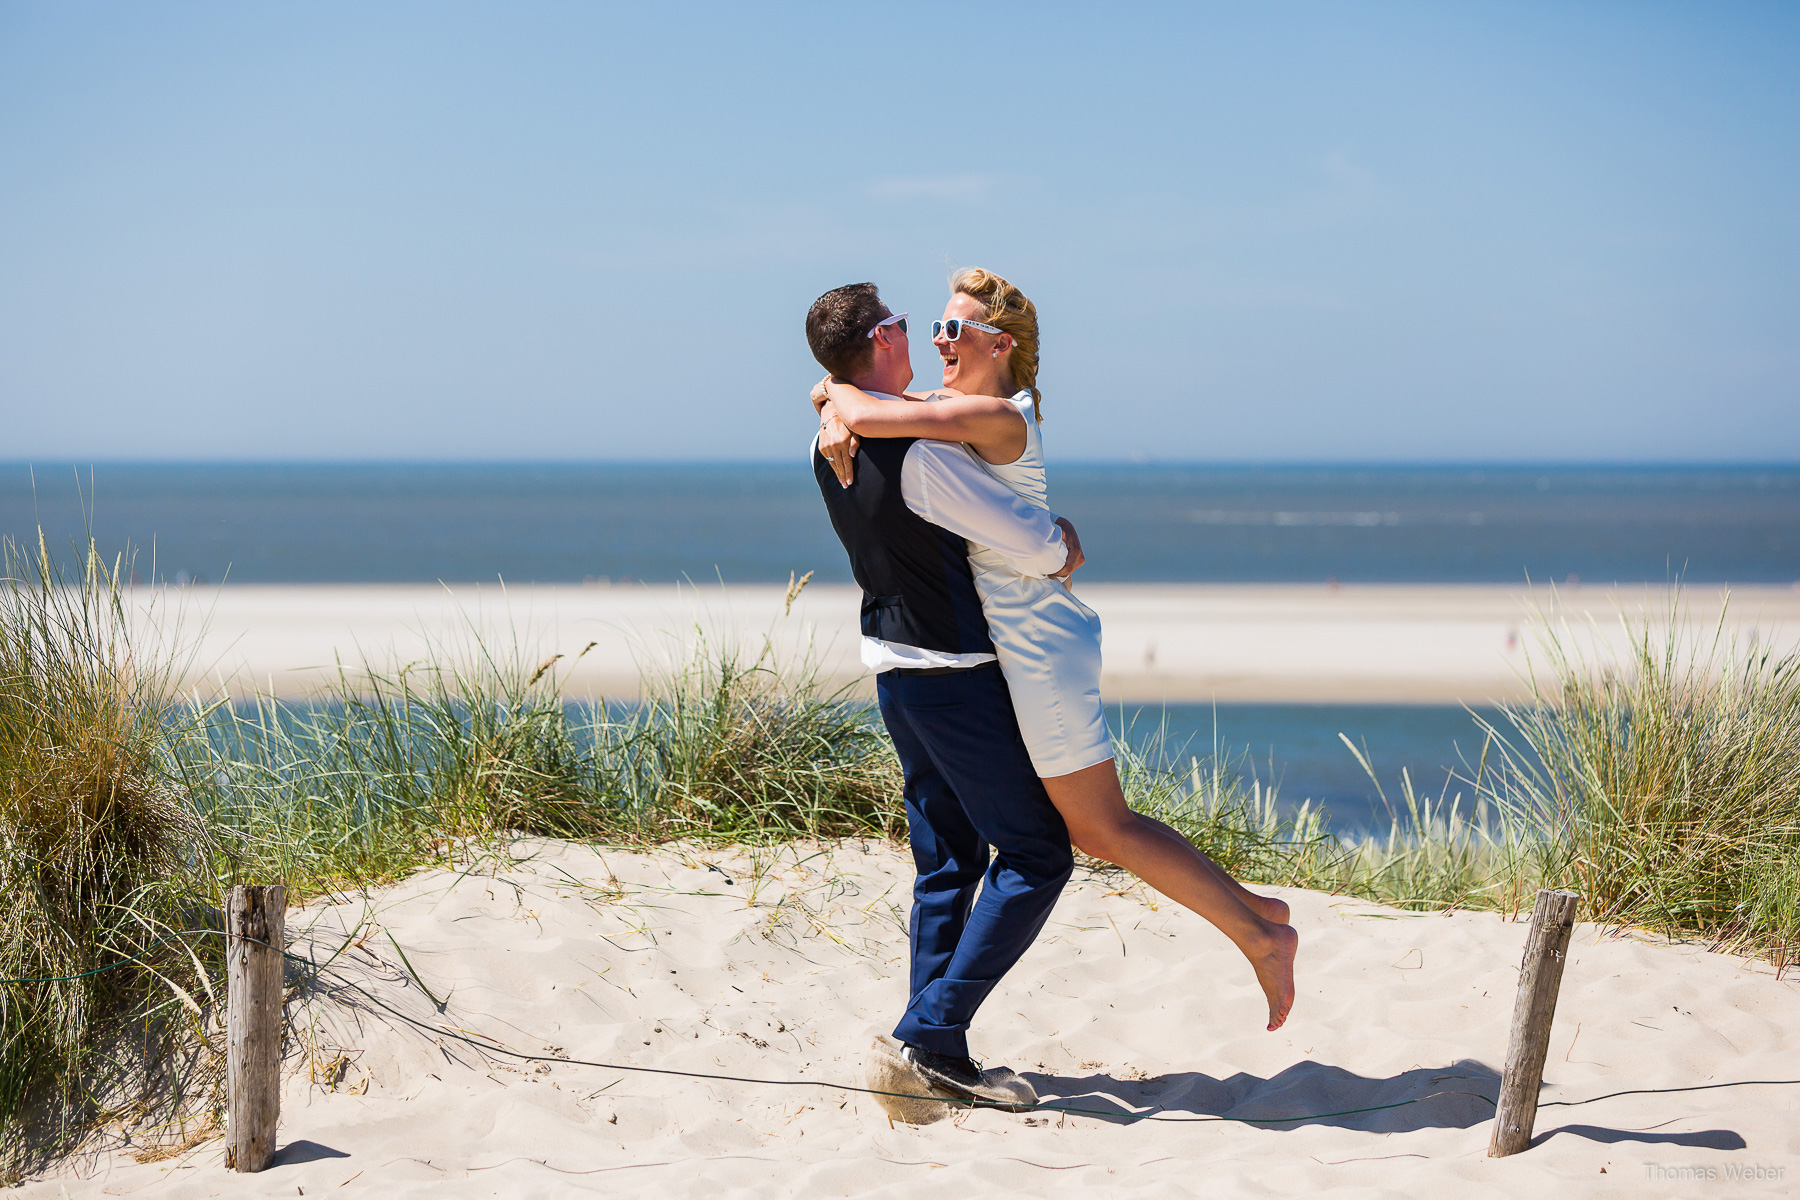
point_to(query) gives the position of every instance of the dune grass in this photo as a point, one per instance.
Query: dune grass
(1434, 856)
(1663, 783)
(1663, 786)
(100, 858)
(387, 771)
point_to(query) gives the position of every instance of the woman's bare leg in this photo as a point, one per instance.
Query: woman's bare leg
(1092, 804)
(1269, 908)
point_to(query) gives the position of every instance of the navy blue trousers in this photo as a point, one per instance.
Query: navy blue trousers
(969, 787)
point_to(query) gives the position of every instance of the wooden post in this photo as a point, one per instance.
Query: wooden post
(254, 927)
(1540, 975)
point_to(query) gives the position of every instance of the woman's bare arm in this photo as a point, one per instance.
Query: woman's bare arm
(990, 424)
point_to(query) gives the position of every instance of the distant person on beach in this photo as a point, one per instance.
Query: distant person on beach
(1046, 641)
(905, 520)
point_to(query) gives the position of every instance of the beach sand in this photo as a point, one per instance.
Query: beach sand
(784, 964)
(1422, 644)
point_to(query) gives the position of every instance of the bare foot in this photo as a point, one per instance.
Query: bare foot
(1275, 971)
(1269, 908)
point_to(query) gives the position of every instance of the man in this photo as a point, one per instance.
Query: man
(969, 783)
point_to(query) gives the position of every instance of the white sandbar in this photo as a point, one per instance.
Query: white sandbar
(1176, 642)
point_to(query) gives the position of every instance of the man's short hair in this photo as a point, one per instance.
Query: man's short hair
(838, 324)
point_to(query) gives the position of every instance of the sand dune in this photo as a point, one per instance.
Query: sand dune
(1398, 644)
(783, 965)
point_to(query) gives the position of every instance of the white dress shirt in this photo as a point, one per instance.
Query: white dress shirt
(944, 483)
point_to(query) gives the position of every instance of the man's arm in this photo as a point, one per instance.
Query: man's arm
(943, 483)
(991, 424)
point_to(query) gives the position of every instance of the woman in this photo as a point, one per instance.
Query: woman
(1047, 641)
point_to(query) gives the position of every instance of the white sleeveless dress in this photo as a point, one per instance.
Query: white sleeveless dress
(1048, 642)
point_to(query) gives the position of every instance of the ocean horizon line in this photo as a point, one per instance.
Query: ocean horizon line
(296, 521)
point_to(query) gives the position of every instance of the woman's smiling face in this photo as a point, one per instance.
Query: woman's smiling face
(969, 363)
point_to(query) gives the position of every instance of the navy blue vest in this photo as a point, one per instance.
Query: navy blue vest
(917, 586)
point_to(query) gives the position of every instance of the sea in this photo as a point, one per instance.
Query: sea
(266, 522)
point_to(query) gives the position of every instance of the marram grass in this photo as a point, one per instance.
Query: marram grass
(100, 857)
(384, 772)
(1663, 784)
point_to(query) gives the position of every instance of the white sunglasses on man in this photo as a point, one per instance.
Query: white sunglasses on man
(897, 319)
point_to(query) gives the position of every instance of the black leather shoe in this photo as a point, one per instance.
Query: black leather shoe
(960, 1075)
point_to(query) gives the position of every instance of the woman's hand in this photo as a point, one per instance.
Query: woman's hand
(837, 444)
(820, 397)
(1075, 558)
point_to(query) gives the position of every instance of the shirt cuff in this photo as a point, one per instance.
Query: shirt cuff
(1051, 560)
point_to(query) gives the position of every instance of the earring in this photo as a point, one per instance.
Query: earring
(996, 353)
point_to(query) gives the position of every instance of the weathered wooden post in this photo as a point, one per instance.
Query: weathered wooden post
(254, 920)
(1540, 975)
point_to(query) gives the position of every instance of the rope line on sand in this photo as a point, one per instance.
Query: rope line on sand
(973, 1102)
(1698, 1087)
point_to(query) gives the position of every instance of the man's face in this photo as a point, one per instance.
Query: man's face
(893, 352)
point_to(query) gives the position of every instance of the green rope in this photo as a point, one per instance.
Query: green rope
(843, 1087)
(496, 1048)
(124, 962)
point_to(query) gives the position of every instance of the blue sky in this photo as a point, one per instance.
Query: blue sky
(533, 230)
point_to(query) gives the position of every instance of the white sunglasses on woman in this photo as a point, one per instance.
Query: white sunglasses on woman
(952, 329)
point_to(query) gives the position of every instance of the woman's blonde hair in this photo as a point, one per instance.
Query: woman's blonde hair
(1008, 308)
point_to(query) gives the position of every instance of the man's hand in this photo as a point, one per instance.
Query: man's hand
(1073, 562)
(837, 444)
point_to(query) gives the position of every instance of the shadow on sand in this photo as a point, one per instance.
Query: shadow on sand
(303, 1151)
(1458, 1096)
(1308, 1093)
(1706, 1139)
